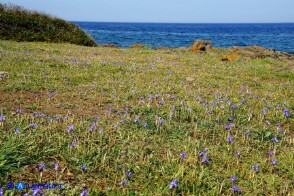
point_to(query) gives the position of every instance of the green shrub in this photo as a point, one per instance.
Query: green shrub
(23, 25)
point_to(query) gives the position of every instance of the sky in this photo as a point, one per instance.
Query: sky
(171, 11)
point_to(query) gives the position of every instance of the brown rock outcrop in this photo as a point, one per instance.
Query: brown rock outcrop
(201, 45)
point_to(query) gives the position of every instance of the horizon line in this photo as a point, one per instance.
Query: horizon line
(183, 22)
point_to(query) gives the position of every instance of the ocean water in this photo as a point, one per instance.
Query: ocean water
(279, 36)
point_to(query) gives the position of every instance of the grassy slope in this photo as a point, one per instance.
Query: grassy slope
(85, 83)
(22, 25)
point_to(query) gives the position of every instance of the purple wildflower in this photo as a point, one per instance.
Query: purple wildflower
(101, 131)
(126, 114)
(275, 139)
(235, 189)
(239, 154)
(124, 182)
(1, 191)
(84, 192)
(209, 112)
(66, 117)
(16, 130)
(270, 153)
(255, 167)
(92, 127)
(51, 120)
(42, 167)
(201, 154)
(286, 112)
(84, 167)
(160, 121)
(229, 126)
(2, 118)
(205, 159)
(183, 155)
(128, 174)
(264, 111)
(150, 97)
(136, 120)
(231, 118)
(19, 111)
(230, 139)
(274, 161)
(56, 166)
(73, 144)
(69, 128)
(37, 191)
(58, 118)
(234, 107)
(161, 102)
(246, 132)
(36, 114)
(174, 183)
(243, 101)
(234, 179)
(49, 95)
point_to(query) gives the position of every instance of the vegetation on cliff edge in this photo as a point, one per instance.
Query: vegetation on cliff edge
(19, 24)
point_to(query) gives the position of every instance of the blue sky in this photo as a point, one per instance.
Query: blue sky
(188, 11)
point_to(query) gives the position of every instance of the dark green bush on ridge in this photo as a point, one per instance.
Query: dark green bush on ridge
(22, 25)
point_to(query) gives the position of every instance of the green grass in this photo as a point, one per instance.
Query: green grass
(80, 84)
(22, 25)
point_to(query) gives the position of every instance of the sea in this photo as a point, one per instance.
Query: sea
(278, 36)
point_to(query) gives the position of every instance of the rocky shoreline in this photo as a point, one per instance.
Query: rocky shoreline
(250, 52)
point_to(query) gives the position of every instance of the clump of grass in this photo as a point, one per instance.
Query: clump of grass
(22, 25)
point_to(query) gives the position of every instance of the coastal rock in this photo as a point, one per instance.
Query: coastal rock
(201, 45)
(230, 58)
(255, 52)
(109, 46)
(138, 46)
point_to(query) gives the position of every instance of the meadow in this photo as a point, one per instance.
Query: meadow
(108, 121)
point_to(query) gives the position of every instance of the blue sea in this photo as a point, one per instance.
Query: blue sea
(279, 36)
